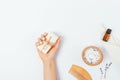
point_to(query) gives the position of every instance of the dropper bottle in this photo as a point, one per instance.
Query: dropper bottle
(107, 35)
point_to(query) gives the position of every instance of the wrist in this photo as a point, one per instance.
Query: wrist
(48, 61)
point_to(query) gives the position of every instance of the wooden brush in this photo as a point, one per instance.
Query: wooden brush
(80, 73)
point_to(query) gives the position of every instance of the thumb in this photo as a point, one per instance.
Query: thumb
(56, 47)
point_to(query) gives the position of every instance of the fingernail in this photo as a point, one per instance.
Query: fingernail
(45, 34)
(37, 43)
(43, 38)
(41, 42)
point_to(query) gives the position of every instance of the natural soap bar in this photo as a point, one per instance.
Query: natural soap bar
(50, 41)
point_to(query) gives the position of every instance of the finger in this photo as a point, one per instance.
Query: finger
(45, 34)
(57, 45)
(43, 38)
(37, 44)
(40, 38)
(54, 50)
(40, 41)
(39, 52)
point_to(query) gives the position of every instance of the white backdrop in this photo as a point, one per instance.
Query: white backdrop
(79, 23)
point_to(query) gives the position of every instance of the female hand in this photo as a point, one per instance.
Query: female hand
(53, 51)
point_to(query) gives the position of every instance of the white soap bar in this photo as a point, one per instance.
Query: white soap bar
(41, 46)
(51, 40)
(44, 47)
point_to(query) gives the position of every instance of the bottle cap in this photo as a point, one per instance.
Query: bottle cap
(108, 31)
